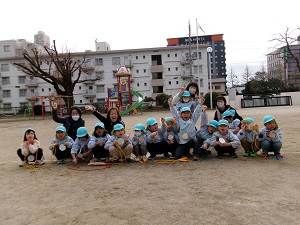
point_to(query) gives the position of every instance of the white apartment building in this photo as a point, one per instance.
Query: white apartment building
(154, 71)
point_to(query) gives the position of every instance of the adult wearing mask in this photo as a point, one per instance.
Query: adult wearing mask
(71, 122)
(222, 107)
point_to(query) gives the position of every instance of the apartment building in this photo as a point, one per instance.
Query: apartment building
(154, 71)
(282, 65)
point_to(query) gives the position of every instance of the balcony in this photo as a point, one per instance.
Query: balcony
(32, 94)
(186, 74)
(157, 82)
(157, 68)
(185, 61)
(87, 68)
(89, 79)
(32, 82)
(89, 94)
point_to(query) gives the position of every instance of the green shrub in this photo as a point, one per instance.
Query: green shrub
(162, 99)
(214, 99)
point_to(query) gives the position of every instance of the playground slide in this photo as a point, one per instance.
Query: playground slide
(136, 104)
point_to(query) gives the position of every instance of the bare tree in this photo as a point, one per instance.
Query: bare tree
(247, 75)
(61, 70)
(287, 39)
(232, 79)
(261, 75)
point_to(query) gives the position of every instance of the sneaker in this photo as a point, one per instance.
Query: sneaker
(234, 156)
(246, 154)
(95, 160)
(264, 155)
(22, 164)
(40, 162)
(220, 156)
(195, 158)
(137, 159)
(152, 157)
(208, 152)
(115, 161)
(107, 160)
(167, 156)
(279, 156)
(61, 161)
(253, 154)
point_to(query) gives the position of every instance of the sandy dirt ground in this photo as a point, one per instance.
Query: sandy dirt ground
(210, 191)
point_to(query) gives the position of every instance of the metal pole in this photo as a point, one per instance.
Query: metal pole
(190, 53)
(198, 66)
(210, 86)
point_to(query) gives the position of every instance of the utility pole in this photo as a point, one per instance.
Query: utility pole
(190, 53)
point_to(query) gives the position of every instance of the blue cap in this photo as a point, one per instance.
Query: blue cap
(185, 109)
(223, 122)
(249, 120)
(268, 118)
(228, 113)
(151, 122)
(99, 124)
(139, 126)
(186, 94)
(169, 119)
(81, 132)
(61, 128)
(118, 126)
(213, 123)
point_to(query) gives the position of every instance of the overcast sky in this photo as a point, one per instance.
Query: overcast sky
(247, 25)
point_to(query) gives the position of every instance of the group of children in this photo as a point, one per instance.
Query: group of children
(174, 138)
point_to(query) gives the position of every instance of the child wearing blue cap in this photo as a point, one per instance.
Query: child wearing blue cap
(206, 131)
(187, 133)
(171, 135)
(138, 140)
(185, 101)
(155, 138)
(234, 124)
(223, 140)
(249, 138)
(97, 143)
(80, 147)
(119, 145)
(271, 137)
(61, 145)
(30, 151)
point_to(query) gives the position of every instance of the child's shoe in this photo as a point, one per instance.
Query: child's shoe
(167, 156)
(40, 162)
(22, 163)
(129, 160)
(195, 158)
(221, 156)
(253, 154)
(279, 156)
(137, 159)
(234, 155)
(60, 161)
(264, 155)
(95, 160)
(247, 153)
(152, 157)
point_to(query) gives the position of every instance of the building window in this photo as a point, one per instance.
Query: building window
(5, 80)
(7, 107)
(144, 57)
(169, 82)
(4, 67)
(137, 71)
(101, 100)
(136, 57)
(114, 73)
(79, 87)
(49, 89)
(6, 94)
(175, 54)
(176, 68)
(80, 101)
(138, 84)
(169, 69)
(145, 84)
(6, 48)
(99, 62)
(196, 69)
(22, 93)
(158, 89)
(22, 80)
(100, 74)
(100, 89)
(201, 82)
(23, 105)
(144, 70)
(217, 87)
(42, 89)
(116, 61)
(168, 55)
